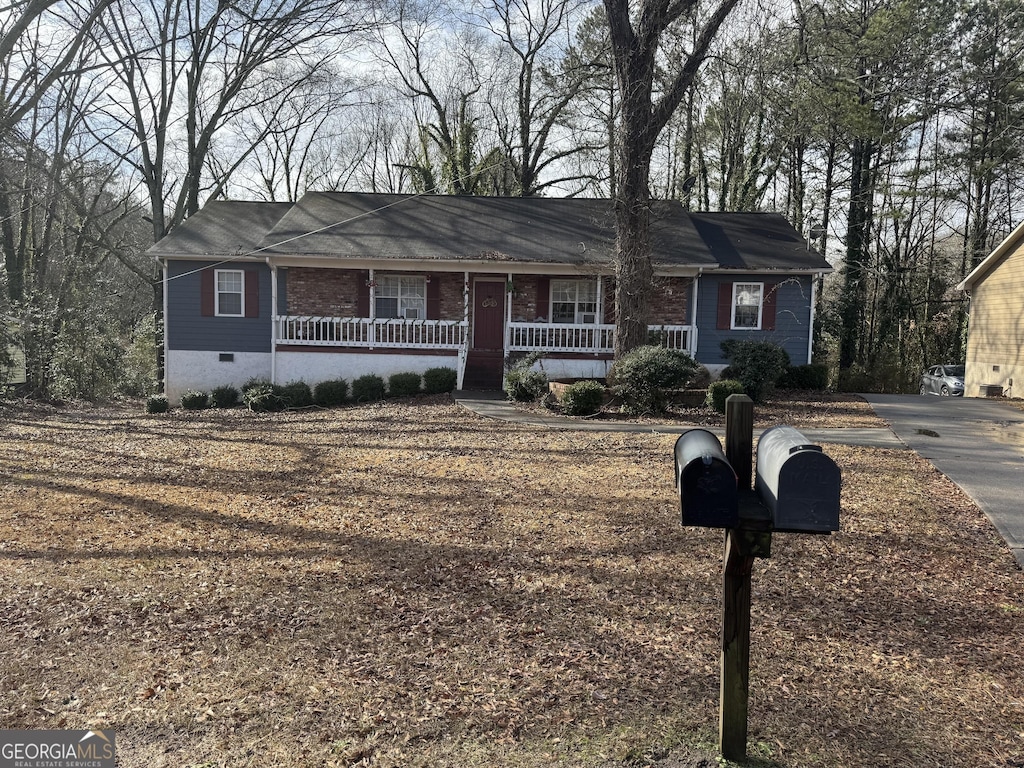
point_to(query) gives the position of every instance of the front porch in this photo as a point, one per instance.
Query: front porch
(397, 333)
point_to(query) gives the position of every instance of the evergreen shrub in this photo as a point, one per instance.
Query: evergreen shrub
(330, 393)
(807, 377)
(368, 388)
(224, 397)
(297, 394)
(439, 380)
(755, 364)
(404, 384)
(157, 404)
(522, 383)
(194, 400)
(719, 391)
(644, 376)
(584, 398)
(260, 395)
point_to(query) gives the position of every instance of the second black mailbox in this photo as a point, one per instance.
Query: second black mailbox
(797, 482)
(706, 481)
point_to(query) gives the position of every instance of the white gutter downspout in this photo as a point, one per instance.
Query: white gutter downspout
(810, 332)
(692, 341)
(163, 383)
(273, 321)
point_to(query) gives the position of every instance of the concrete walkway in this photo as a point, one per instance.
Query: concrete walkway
(978, 444)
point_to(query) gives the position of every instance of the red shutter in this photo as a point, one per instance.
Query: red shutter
(771, 294)
(724, 306)
(252, 293)
(206, 293)
(433, 297)
(362, 293)
(543, 298)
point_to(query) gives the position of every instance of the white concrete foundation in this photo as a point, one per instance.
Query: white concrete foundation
(314, 367)
(204, 371)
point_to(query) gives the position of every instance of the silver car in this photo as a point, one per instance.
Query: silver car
(945, 380)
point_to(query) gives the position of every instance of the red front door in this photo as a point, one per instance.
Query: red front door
(489, 315)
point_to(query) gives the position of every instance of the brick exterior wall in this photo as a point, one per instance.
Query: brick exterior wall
(335, 292)
(524, 299)
(451, 294)
(671, 300)
(324, 292)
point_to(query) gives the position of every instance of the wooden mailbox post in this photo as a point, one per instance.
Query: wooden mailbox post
(800, 490)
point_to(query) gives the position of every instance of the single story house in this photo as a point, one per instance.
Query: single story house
(995, 333)
(339, 284)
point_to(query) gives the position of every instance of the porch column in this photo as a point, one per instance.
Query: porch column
(273, 321)
(509, 292)
(371, 331)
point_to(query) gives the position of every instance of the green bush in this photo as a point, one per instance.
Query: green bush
(438, 380)
(157, 404)
(224, 397)
(522, 383)
(194, 400)
(330, 393)
(404, 384)
(368, 388)
(644, 376)
(262, 396)
(583, 398)
(755, 364)
(297, 394)
(719, 391)
(807, 377)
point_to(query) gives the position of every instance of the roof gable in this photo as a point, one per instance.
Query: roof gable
(221, 228)
(994, 259)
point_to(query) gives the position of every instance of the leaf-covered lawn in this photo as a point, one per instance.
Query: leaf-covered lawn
(411, 585)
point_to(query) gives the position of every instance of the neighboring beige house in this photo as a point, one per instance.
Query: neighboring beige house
(995, 338)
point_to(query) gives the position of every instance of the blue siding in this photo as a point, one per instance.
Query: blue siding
(792, 317)
(188, 329)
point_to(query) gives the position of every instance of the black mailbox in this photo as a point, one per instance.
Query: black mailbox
(797, 482)
(706, 481)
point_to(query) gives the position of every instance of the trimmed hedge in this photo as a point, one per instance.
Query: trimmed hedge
(439, 380)
(157, 404)
(404, 384)
(330, 393)
(194, 400)
(224, 397)
(368, 388)
(261, 395)
(296, 394)
(584, 398)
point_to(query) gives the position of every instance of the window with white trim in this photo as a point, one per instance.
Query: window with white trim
(402, 296)
(230, 293)
(746, 305)
(574, 301)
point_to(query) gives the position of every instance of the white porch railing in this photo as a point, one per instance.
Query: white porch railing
(453, 334)
(587, 338)
(368, 332)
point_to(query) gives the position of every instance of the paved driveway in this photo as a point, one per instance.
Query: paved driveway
(976, 443)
